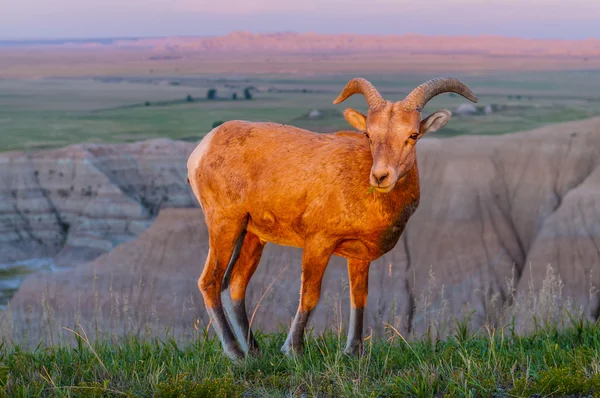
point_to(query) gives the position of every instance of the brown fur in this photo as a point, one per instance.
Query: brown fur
(314, 191)
(325, 176)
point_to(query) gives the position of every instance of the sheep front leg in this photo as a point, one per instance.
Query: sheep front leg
(358, 273)
(314, 262)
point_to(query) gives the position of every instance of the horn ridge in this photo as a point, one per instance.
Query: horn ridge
(426, 91)
(359, 85)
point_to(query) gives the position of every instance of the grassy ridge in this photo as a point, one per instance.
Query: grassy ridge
(547, 363)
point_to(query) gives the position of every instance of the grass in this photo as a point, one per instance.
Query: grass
(549, 362)
(557, 355)
(552, 350)
(56, 112)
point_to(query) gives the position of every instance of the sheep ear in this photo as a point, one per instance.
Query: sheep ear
(356, 119)
(435, 121)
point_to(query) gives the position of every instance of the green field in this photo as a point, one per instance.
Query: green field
(38, 114)
(487, 364)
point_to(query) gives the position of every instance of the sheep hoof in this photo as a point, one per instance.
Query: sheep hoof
(255, 352)
(353, 350)
(291, 351)
(234, 353)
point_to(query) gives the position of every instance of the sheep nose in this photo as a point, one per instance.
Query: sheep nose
(380, 175)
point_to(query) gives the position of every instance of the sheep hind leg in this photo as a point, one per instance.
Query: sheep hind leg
(358, 273)
(225, 241)
(236, 282)
(315, 258)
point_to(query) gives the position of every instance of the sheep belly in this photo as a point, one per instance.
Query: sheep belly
(268, 228)
(367, 246)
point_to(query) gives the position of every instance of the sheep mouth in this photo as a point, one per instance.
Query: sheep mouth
(387, 189)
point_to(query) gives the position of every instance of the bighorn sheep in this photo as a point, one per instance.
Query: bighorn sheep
(344, 193)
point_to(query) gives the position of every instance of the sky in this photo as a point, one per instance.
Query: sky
(50, 19)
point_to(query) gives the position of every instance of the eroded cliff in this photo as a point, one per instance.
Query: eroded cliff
(495, 213)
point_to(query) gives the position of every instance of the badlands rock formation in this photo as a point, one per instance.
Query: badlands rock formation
(80, 201)
(495, 213)
(245, 53)
(294, 43)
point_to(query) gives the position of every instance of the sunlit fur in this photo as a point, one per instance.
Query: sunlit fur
(290, 186)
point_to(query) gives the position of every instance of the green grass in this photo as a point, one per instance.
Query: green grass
(53, 113)
(489, 363)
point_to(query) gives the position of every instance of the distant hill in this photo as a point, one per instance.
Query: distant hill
(291, 43)
(291, 53)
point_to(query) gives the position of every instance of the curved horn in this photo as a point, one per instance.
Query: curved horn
(358, 85)
(426, 91)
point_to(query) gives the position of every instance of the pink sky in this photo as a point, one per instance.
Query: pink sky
(22, 19)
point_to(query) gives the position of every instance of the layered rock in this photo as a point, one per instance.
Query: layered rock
(495, 213)
(78, 202)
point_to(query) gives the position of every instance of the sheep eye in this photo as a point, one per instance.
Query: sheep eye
(414, 136)
(367, 135)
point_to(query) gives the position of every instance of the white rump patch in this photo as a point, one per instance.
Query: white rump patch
(196, 157)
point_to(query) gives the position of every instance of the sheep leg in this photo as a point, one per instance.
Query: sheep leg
(225, 241)
(314, 261)
(358, 273)
(236, 281)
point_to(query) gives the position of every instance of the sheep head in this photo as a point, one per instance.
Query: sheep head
(393, 128)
